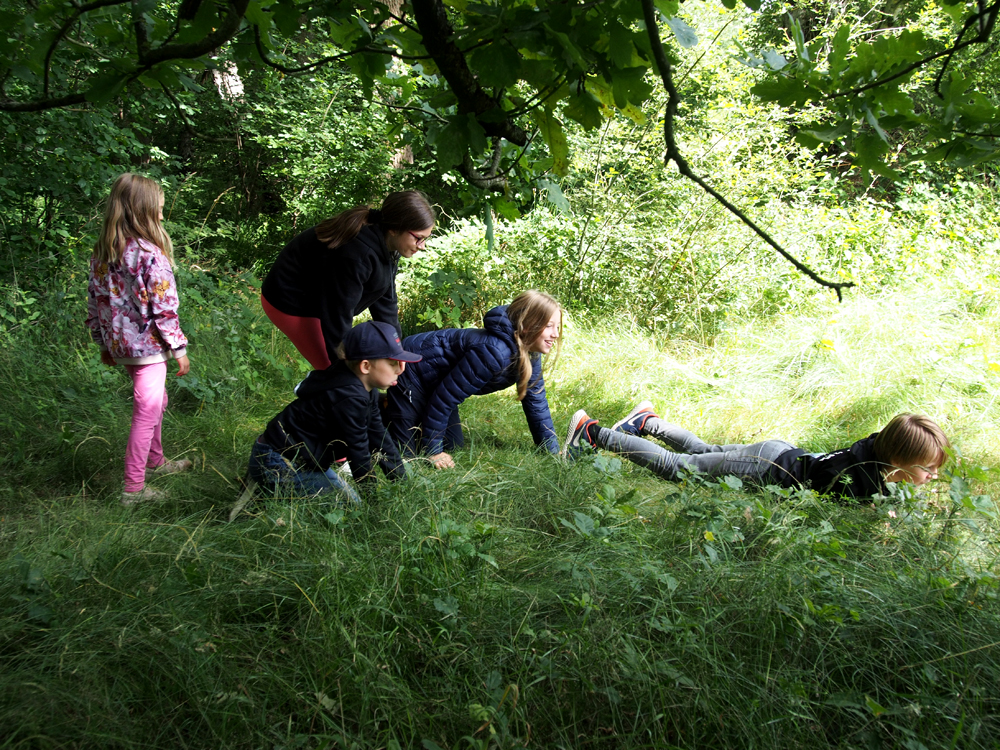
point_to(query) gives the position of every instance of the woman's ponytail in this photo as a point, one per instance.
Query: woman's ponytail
(404, 211)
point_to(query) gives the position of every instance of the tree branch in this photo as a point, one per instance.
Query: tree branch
(491, 180)
(983, 36)
(673, 152)
(74, 17)
(437, 34)
(540, 96)
(226, 30)
(147, 58)
(42, 104)
(986, 21)
(139, 26)
(408, 108)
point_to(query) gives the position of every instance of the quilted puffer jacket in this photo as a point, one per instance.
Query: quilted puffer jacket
(462, 362)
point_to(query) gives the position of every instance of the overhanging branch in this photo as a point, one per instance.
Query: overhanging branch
(226, 30)
(985, 18)
(259, 43)
(147, 58)
(438, 40)
(673, 152)
(491, 179)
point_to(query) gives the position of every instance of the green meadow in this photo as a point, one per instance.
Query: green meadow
(518, 600)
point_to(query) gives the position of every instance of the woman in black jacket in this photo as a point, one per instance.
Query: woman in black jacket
(341, 267)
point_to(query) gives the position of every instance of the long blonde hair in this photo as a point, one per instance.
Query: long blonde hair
(133, 212)
(529, 313)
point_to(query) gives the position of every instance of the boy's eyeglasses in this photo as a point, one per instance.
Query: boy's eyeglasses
(420, 240)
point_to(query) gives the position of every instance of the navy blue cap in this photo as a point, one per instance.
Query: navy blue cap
(375, 340)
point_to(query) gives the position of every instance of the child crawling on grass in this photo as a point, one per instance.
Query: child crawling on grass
(910, 449)
(335, 415)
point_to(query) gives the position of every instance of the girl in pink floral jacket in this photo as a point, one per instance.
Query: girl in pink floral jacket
(132, 313)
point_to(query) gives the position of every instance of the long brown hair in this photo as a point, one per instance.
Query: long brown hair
(404, 211)
(132, 212)
(529, 313)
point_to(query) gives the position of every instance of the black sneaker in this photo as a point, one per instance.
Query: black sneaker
(634, 423)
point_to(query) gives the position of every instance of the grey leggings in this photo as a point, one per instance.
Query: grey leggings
(750, 462)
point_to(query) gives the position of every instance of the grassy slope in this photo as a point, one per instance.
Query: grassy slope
(515, 600)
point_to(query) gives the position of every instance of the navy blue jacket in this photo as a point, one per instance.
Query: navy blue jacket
(334, 416)
(462, 362)
(312, 281)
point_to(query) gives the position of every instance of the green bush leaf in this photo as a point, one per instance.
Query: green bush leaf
(685, 35)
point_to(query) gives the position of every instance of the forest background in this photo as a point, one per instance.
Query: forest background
(517, 601)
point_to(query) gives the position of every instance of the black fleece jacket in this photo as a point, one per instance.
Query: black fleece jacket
(312, 281)
(334, 416)
(852, 472)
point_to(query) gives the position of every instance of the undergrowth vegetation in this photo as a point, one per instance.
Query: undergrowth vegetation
(516, 601)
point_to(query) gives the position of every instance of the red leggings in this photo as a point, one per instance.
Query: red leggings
(306, 334)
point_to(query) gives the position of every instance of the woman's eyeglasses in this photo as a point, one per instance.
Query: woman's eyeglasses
(420, 240)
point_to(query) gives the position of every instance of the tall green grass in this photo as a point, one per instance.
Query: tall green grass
(516, 601)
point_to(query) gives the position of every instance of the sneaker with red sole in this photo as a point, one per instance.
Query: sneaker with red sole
(577, 437)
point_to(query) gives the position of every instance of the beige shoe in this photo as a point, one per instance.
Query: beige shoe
(170, 467)
(145, 495)
(249, 493)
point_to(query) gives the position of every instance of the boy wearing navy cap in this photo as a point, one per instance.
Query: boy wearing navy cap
(335, 415)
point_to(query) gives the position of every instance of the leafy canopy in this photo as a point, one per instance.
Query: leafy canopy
(487, 78)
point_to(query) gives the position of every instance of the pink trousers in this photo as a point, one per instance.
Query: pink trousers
(145, 447)
(306, 334)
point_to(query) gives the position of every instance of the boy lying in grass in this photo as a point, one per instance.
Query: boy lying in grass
(911, 449)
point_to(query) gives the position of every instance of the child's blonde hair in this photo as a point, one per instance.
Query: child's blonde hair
(911, 440)
(529, 313)
(133, 212)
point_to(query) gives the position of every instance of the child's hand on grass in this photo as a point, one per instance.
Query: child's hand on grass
(442, 461)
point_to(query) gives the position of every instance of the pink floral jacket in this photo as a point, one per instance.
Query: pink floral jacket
(132, 306)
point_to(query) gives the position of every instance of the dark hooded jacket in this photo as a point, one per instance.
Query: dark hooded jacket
(334, 416)
(462, 362)
(852, 472)
(312, 281)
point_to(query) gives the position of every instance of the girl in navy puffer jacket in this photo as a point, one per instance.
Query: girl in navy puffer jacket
(422, 409)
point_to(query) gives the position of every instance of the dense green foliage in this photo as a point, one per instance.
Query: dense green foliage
(517, 601)
(481, 82)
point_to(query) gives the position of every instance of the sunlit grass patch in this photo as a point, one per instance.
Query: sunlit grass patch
(518, 600)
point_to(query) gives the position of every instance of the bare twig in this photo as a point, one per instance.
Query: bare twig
(673, 152)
